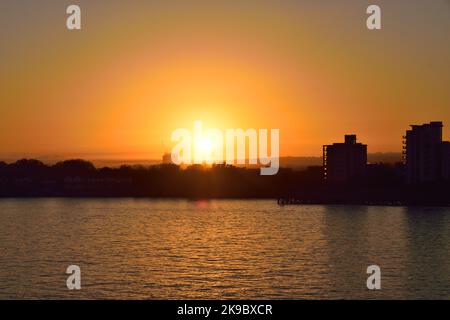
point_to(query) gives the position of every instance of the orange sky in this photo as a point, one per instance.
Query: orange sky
(137, 71)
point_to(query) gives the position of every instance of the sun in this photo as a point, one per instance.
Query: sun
(204, 145)
(203, 149)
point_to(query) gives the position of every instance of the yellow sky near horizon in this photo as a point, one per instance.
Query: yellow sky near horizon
(138, 71)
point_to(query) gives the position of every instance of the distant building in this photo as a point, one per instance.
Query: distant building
(344, 161)
(167, 158)
(426, 156)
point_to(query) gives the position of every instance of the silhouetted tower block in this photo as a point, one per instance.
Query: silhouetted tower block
(423, 152)
(344, 161)
(445, 160)
(350, 139)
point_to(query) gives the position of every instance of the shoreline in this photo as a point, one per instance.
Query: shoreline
(279, 201)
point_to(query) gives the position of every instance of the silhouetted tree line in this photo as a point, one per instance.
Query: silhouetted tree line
(383, 183)
(81, 178)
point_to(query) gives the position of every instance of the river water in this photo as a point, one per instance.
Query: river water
(220, 249)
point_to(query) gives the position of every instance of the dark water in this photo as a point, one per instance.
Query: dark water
(150, 249)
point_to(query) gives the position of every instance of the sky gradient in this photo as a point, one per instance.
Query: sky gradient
(140, 69)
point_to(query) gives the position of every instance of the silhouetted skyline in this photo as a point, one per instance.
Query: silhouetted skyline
(349, 179)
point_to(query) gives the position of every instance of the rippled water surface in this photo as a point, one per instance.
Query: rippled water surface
(173, 249)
